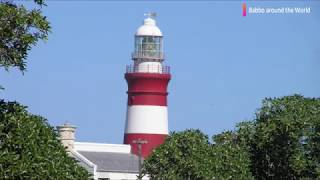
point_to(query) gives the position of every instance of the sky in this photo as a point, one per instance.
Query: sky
(222, 63)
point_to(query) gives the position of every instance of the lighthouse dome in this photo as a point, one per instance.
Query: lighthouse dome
(148, 28)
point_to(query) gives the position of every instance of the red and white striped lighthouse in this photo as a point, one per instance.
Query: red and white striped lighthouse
(147, 78)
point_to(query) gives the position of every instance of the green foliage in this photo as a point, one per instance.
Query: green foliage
(190, 155)
(230, 158)
(30, 148)
(282, 142)
(20, 29)
(286, 141)
(182, 156)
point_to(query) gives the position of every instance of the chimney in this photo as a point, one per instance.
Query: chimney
(66, 133)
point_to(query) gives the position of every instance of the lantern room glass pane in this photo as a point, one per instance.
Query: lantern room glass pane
(148, 46)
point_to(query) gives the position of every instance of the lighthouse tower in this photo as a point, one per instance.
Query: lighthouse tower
(147, 78)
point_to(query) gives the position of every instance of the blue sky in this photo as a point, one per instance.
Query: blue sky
(222, 64)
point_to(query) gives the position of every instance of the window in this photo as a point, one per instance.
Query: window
(148, 46)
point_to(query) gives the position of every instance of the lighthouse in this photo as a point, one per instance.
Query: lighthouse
(147, 78)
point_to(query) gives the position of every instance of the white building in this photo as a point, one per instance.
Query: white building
(103, 161)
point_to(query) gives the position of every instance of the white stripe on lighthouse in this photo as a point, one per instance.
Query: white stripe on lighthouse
(147, 119)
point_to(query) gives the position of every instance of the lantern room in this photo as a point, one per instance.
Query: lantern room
(148, 41)
(148, 47)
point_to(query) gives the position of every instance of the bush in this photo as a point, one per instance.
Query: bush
(30, 148)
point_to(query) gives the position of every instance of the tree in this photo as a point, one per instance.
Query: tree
(190, 155)
(30, 148)
(285, 142)
(230, 157)
(282, 142)
(20, 29)
(182, 156)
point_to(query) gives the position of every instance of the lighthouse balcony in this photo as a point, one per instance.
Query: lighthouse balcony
(148, 68)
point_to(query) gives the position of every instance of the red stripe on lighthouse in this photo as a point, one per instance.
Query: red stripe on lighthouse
(147, 82)
(147, 88)
(145, 98)
(153, 141)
